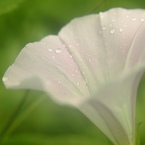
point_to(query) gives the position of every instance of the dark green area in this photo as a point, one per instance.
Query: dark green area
(40, 120)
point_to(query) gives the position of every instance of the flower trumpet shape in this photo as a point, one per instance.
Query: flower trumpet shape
(95, 64)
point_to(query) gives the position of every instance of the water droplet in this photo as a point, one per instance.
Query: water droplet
(121, 29)
(53, 56)
(5, 79)
(110, 25)
(113, 20)
(70, 56)
(81, 59)
(78, 44)
(58, 50)
(59, 82)
(127, 16)
(64, 45)
(104, 28)
(142, 20)
(133, 19)
(112, 31)
(50, 50)
(69, 46)
(78, 83)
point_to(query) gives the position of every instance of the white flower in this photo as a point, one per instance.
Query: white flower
(95, 64)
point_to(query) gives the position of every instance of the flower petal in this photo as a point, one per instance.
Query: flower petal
(47, 66)
(95, 63)
(122, 29)
(113, 112)
(101, 44)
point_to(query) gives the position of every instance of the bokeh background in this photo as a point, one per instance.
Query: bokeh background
(40, 121)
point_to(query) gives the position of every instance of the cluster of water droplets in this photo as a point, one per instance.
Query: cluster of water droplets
(117, 26)
(112, 29)
(54, 52)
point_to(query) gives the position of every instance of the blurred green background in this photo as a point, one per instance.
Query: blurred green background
(40, 121)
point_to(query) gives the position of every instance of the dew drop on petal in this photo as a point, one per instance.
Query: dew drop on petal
(53, 57)
(113, 20)
(70, 56)
(133, 19)
(142, 20)
(78, 44)
(78, 83)
(64, 45)
(50, 50)
(69, 46)
(104, 28)
(5, 79)
(121, 29)
(58, 50)
(112, 31)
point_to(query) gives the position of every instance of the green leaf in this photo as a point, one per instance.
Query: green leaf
(137, 139)
(8, 5)
(36, 139)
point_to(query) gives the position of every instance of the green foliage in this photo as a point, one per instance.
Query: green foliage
(9, 5)
(24, 21)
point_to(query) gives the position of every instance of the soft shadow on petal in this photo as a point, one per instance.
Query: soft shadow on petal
(49, 62)
(112, 109)
(86, 45)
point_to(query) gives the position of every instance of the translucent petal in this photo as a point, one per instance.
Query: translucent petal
(95, 63)
(112, 109)
(101, 44)
(47, 66)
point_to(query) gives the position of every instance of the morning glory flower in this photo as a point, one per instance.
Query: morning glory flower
(95, 63)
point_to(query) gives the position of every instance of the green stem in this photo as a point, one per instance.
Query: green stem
(14, 115)
(18, 119)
